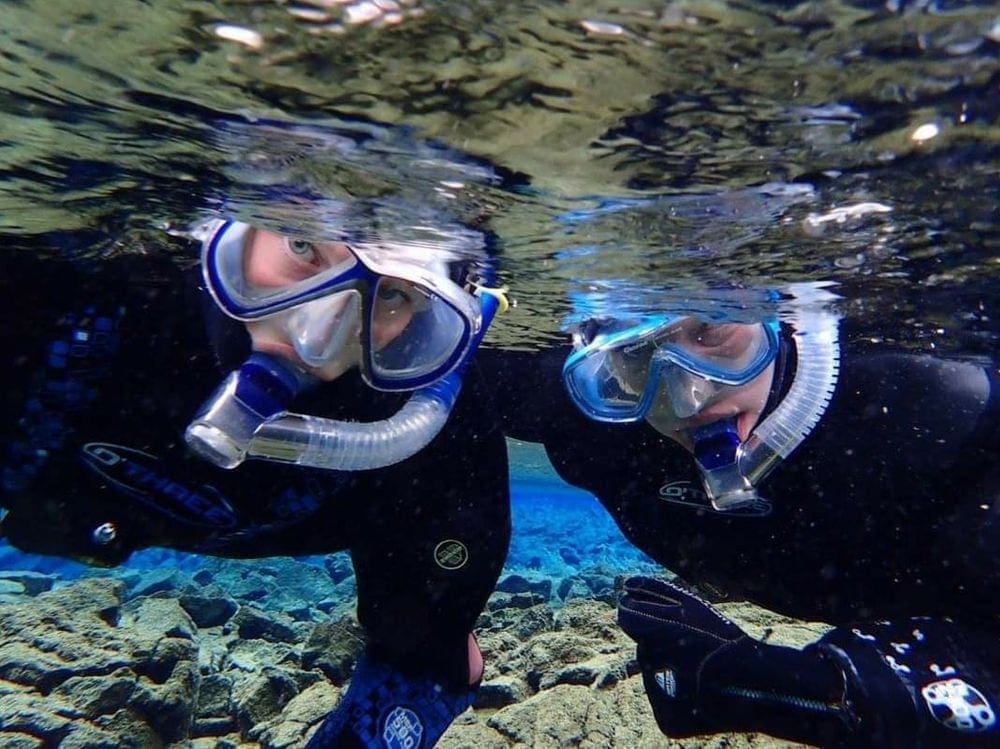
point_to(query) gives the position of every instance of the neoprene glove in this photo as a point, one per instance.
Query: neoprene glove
(703, 674)
(913, 683)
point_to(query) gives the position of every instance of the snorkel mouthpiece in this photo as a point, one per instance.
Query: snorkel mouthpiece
(717, 450)
(262, 387)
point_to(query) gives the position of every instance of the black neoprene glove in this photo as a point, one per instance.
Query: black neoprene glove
(703, 674)
(915, 683)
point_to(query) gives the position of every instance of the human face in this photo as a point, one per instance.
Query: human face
(322, 335)
(684, 399)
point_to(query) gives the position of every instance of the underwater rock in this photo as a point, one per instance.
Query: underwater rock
(157, 618)
(80, 668)
(159, 581)
(333, 647)
(94, 696)
(521, 584)
(546, 654)
(209, 611)
(130, 729)
(250, 656)
(33, 582)
(500, 692)
(215, 696)
(301, 713)
(572, 587)
(80, 664)
(11, 588)
(579, 716)
(570, 556)
(262, 698)
(338, 567)
(514, 601)
(13, 740)
(252, 623)
(522, 623)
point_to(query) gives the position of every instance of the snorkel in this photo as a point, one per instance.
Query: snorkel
(731, 470)
(248, 417)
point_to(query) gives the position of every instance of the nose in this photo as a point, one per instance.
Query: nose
(688, 393)
(321, 329)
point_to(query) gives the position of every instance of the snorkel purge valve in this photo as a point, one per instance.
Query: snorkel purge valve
(247, 416)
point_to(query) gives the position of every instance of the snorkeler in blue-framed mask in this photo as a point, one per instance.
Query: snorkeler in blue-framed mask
(705, 384)
(408, 319)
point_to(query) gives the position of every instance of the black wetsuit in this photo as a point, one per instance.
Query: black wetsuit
(891, 505)
(105, 367)
(885, 522)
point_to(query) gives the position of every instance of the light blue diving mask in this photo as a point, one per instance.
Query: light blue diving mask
(616, 371)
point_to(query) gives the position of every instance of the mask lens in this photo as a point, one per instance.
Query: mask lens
(728, 353)
(414, 333)
(254, 273)
(603, 388)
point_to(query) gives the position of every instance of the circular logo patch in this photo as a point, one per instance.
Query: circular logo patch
(451, 554)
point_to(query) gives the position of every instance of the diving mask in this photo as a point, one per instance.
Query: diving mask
(617, 369)
(409, 323)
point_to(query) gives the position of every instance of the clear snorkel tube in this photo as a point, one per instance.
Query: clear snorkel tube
(247, 417)
(730, 469)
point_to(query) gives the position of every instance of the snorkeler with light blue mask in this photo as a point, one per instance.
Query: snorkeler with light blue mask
(741, 443)
(705, 383)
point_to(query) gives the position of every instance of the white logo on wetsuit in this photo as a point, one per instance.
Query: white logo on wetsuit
(682, 492)
(403, 729)
(451, 554)
(666, 681)
(959, 706)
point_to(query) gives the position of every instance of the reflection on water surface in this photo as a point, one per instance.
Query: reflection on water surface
(662, 123)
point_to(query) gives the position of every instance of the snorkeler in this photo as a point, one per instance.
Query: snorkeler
(350, 421)
(771, 461)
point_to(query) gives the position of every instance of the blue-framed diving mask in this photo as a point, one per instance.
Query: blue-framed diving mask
(324, 307)
(413, 324)
(617, 368)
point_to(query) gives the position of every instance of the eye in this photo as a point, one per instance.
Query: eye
(393, 298)
(302, 250)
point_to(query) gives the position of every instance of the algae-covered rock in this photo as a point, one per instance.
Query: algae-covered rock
(300, 715)
(252, 623)
(208, 610)
(333, 647)
(80, 668)
(264, 697)
(32, 582)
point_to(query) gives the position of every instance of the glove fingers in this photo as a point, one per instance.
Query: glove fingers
(654, 607)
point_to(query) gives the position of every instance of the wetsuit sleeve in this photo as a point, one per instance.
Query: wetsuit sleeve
(105, 368)
(88, 444)
(528, 392)
(918, 682)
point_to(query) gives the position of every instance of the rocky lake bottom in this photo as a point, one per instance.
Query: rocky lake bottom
(183, 651)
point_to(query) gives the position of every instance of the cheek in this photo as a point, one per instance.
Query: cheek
(263, 332)
(661, 414)
(387, 328)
